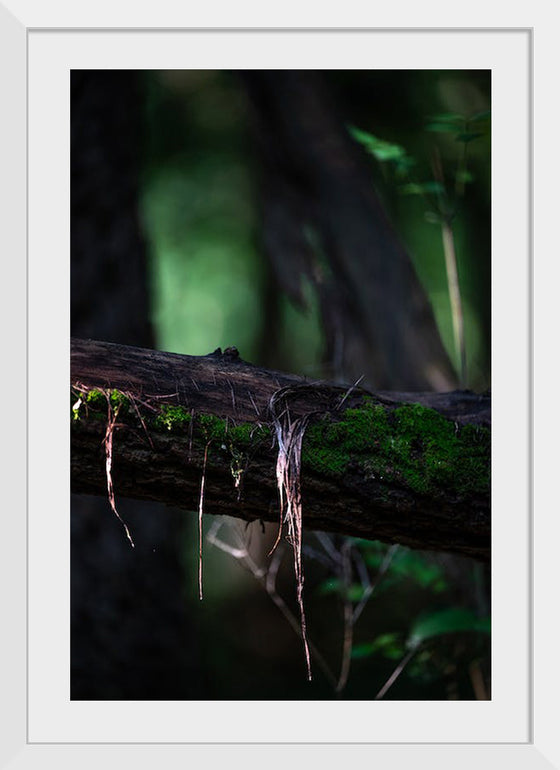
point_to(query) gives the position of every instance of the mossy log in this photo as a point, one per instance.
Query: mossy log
(397, 467)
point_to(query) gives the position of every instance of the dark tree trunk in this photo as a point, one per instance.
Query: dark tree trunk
(130, 632)
(316, 186)
(109, 295)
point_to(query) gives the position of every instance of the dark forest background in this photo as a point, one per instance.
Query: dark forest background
(299, 217)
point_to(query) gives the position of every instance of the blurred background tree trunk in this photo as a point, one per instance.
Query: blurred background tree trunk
(322, 220)
(131, 631)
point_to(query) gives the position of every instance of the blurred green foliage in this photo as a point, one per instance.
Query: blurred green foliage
(199, 210)
(200, 206)
(198, 216)
(443, 204)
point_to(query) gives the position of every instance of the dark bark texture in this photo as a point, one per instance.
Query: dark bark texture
(155, 458)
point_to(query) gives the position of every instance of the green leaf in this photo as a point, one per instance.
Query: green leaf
(447, 117)
(385, 151)
(445, 123)
(363, 650)
(382, 150)
(443, 128)
(411, 189)
(425, 187)
(355, 592)
(464, 176)
(416, 567)
(360, 136)
(373, 552)
(407, 565)
(479, 116)
(374, 560)
(390, 645)
(449, 621)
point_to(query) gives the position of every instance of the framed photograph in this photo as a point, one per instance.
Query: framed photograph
(53, 711)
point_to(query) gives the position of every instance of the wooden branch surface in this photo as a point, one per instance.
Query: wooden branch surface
(162, 465)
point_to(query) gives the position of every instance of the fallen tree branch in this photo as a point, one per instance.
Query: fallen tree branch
(406, 468)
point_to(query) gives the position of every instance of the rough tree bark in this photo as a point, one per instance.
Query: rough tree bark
(407, 468)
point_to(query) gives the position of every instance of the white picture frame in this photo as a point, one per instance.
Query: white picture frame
(535, 743)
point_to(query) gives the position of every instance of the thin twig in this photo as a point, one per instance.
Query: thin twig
(329, 548)
(361, 569)
(353, 387)
(162, 395)
(396, 673)
(348, 619)
(133, 401)
(253, 402)
(457, 316)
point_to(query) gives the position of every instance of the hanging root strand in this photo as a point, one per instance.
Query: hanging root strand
(289, 435)
(200, 525)
(108, 441)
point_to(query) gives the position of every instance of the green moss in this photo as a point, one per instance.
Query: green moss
(330, 446)
(93, 403)
(173, 418)
(411, 444)
(119, 401)
(210, 427)
(241, 435)
(439, 454)
(96, 400)
(247, 434)
(325, 459)
(176, 419)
